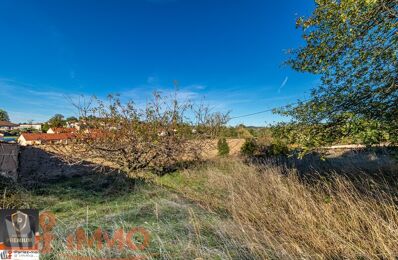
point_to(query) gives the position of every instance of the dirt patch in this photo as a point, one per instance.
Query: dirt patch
(234, 148)
(38, 165)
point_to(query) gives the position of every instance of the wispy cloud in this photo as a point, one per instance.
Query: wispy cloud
(140, 95)
(145, 91)
(24, 117)
(151, 80)
(25, 102)
(283, 84)
(197, 87)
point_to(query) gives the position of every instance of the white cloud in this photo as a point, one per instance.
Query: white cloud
(198, 87)
(27, 103)
(24, 117)
(283, 84)
(144, 92)
(152, 80)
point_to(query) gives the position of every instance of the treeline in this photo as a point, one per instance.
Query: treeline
(242, 131)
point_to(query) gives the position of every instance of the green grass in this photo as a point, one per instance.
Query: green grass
(198, 185)
(179, 228)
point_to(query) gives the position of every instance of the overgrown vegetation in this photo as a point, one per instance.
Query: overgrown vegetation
(178, 228)
(156, 137)
(353, 46)
(13, 195)
(222, 146)
(271, 207)
(227, 209)
(249, 147)
(278, 214)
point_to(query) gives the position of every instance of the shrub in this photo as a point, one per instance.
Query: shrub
(249, 148)
(275, 149)
(223, 148)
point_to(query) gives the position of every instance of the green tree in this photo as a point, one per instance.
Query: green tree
(71, 119)
(45, 127)
(223, 148)
(4, 116)
(57, 121)
(353, 46)
(249, 147)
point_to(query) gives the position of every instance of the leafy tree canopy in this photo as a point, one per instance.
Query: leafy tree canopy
(353, 46)
(72, 119)
(57, 121)
(4, 115)
(45, 127)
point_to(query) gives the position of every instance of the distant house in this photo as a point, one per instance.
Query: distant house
(36, 126)
(60, 130)
(75, 125)
(37, 139)
(7, 126)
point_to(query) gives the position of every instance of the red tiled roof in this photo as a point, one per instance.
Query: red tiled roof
(46, 137)
(7, 124)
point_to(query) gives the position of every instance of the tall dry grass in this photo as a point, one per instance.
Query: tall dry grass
(276, 215)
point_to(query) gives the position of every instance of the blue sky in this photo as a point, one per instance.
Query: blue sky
(230, 52)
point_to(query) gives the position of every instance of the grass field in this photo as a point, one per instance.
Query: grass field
(226, 209)
(179, 228)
